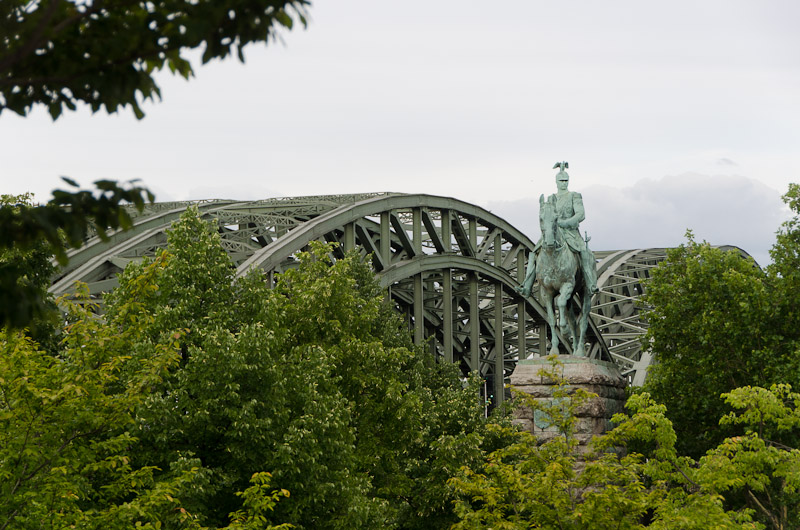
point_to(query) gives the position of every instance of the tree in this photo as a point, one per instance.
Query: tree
(314, 380)
(525, 485)
(25, 275)
(65, 430)
(714, 325)
(718, 315)
(31, 234)
(60, 52)
(785, 266)
(756, 465)
(67, 452)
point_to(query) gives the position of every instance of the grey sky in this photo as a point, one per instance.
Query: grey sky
(475, 101)
(656, 213)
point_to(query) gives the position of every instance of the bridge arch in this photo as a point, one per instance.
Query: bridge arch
(449, 266)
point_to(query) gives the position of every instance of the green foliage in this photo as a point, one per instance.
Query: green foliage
(258, 501)
(192, 288)
(65, 221)
(314, 380)
(61, 52)
(68, 455)
(785, 268)
(718, 315)
(754, 465)
(31, 234)
(786, 251)
(241, 401)
(712, 313)
(24, 278)
(679, 495)
(65, 430)
(526, 485)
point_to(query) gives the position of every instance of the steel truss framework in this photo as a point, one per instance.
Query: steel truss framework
(449, 267)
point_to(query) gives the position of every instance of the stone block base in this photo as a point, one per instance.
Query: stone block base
(593, 416)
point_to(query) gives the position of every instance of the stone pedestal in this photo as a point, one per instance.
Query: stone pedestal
(593, 417)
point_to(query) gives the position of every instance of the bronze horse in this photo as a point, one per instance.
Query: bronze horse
(556, 269)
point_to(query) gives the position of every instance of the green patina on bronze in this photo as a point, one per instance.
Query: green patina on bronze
(563, 264)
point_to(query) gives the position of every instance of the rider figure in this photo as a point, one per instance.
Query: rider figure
(569, 206)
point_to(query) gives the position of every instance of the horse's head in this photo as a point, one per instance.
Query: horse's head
(547, 221)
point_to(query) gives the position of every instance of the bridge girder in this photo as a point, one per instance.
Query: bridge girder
(449, 266)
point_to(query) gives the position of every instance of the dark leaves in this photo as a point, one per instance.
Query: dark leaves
(64, 222)
(57, 54)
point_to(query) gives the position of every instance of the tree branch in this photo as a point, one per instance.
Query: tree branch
(10, 519)
(32, 43)
(679, 470)
(766, 512)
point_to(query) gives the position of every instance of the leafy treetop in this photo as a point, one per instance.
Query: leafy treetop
(716, 314)
(60, 52)
(314, 380)
(634, 477)
(713, 313)
(31, 233)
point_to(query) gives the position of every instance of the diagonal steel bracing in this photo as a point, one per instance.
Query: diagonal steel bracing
(450, 268)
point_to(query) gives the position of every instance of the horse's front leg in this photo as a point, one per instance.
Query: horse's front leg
(548, 296)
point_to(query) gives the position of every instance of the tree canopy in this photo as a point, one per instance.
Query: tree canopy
(314, 380)
(31, 234)
(634, 477)
(174, 406)
(718, 322)
(785, 266)
(58, 53)
(200, 400)
(65, 430)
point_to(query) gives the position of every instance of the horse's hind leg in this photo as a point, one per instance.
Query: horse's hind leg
(551, 321)
(572, 322)
(563, 296)
(584, 323)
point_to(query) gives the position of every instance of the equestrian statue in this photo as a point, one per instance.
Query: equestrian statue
(563, 265)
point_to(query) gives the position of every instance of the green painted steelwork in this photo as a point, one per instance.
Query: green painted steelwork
(449, 267)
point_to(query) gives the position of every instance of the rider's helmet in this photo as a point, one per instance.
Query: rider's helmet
(562, 174)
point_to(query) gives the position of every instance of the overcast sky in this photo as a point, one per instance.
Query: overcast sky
(672, 115)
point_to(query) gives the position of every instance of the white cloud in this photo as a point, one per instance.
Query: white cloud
(722, 210)
(452, 98)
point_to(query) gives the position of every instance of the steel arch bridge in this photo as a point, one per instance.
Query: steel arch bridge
(449, 267)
